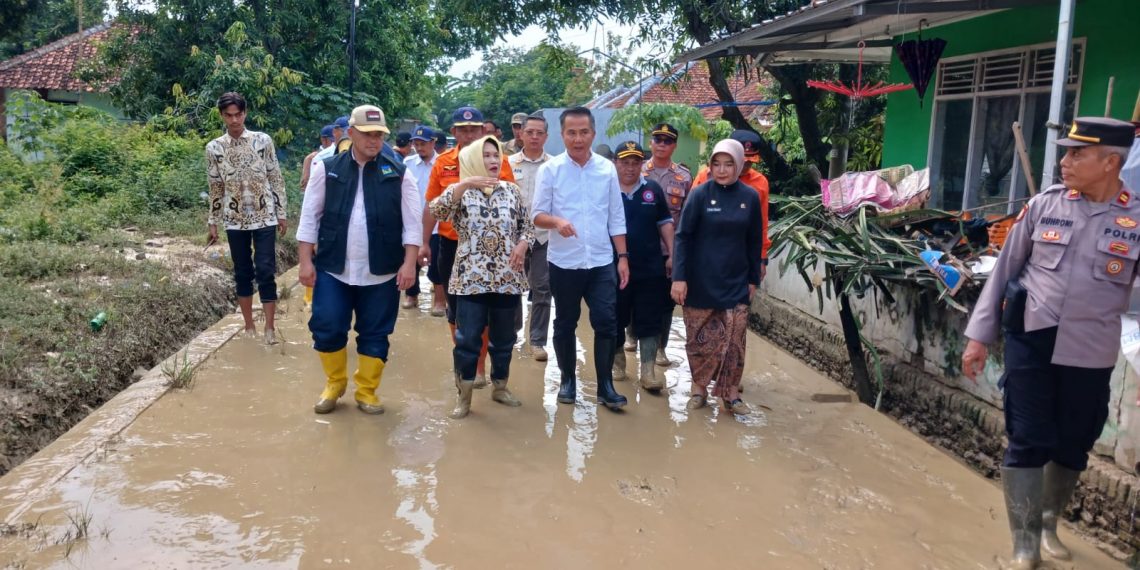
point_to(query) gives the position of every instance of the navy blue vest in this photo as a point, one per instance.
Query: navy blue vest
(382, 179)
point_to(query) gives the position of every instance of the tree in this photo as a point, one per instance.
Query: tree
(643, 118)
(29, 24)
(284, 102)
(398, 45)
(513, 80)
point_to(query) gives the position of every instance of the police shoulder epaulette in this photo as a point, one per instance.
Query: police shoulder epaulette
(1054, 188)
(683, 168)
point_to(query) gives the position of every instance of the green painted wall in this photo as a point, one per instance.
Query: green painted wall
(688, 152)
(1108, 27)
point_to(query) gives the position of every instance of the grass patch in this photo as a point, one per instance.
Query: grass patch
(179, 372)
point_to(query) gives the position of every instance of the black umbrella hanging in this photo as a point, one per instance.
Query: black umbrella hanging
(920, 58)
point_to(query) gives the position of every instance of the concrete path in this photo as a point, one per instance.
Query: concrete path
(239, 473)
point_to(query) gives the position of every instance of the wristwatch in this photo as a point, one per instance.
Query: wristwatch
(623, 254)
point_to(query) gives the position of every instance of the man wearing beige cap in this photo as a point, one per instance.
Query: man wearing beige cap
(515, 145)
(364, 210)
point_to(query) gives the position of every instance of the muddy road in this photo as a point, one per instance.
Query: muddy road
(238, 472)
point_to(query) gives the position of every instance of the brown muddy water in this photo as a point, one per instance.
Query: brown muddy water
(239, 473)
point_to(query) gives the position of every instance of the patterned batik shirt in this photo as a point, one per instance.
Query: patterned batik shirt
(247, 191)
(489, 227)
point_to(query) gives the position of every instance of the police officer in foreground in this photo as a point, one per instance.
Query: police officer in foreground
(1060, 285)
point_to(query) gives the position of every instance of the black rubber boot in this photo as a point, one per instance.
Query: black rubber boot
(565, 353)
(603, 365)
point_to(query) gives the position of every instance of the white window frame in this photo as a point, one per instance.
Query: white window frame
(973, 166)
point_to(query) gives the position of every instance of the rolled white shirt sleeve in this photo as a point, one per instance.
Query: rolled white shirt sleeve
(411, 210)
(543, 201)
(617, 209)
(313, 205)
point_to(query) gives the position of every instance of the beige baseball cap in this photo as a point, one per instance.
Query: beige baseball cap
(368, 119)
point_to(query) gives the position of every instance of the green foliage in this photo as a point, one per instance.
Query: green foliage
(95, 174)
(397, 46)
(35, 117)
(643, 118)
(282, 102)
(857, 253)
(28, 24)
(718, 131)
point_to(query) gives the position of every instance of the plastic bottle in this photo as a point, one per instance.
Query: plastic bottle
(99, 322)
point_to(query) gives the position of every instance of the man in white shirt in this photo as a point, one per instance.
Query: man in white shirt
(419, 164)
(525, 164)
(578, 197)
(364, 210)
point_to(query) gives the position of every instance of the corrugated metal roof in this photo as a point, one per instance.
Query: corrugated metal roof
(830, 30)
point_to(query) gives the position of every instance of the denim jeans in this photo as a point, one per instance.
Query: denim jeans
(447, 249)
(255, 256)
(473, 314)
(335, 302)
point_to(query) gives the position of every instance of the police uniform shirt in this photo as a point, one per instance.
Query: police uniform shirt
(1130, 172)
(675, 181)
(1077, 260)
(645, 212)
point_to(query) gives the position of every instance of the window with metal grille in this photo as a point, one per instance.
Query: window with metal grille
(1025, 68)
(977, 98)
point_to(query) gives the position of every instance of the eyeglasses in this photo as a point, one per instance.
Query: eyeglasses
(664, 140)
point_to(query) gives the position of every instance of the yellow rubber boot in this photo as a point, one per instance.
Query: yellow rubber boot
(308, 296)
(336, 373)
(367, 378)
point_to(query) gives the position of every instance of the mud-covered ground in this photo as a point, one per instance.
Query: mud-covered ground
(157, 291)
(238, 472)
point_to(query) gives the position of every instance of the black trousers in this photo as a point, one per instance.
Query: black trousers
(255, 257)
(643, 302)
(1052, 412)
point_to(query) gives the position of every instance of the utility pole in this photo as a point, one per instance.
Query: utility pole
(352, 47)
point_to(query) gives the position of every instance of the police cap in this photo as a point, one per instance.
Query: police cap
(630, 149)
(1088, 131)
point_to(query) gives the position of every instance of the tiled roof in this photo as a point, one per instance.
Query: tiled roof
(55, 65)
(692, 87)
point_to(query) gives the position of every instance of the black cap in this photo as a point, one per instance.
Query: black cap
(1089, 131)
(749, 140)
(665, 129)
(403, 139)
(630, 149)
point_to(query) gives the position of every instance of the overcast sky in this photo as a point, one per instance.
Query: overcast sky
(584, 38)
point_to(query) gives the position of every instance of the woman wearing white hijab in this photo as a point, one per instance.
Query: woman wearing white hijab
(495, 233)
(716, 269)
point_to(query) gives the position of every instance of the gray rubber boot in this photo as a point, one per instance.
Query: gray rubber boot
(1060, 482)
(463, 389)
(502, 395)
(649, 378)
(619, 365)
(1023, 503)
